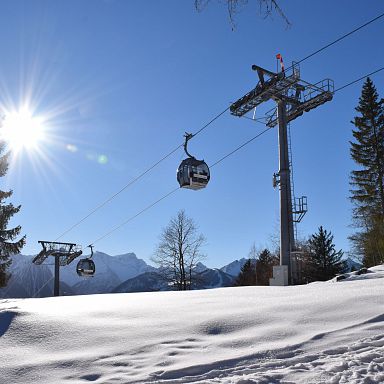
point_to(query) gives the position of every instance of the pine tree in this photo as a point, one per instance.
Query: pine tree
(367, 193)
(324, 262)
(247, 275)
(264, 266)
(7, 236)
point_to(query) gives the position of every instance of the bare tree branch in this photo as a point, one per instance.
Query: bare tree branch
(267, 9)
(179, 251)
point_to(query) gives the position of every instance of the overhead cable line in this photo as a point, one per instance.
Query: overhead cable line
(241, 146)
(174, 190)
(210, 122)
(213, 165)
(138, 177)
(338, 39)
(44, 285)
(118, 193)
(133, 217)
(357, 80)
(206, 125)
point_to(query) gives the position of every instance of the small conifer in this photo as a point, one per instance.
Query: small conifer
(8, 245)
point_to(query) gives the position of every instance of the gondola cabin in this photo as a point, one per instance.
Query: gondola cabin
(85, 267)
(193, 174)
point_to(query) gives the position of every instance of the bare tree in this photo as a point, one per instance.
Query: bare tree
(178, 252)
(267, 9)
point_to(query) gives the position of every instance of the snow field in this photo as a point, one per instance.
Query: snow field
(318, 333)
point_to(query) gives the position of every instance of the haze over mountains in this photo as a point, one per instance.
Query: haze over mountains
(121, 273)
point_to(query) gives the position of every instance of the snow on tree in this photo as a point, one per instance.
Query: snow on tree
(367, 193)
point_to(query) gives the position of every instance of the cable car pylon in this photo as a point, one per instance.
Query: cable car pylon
(192, 173)
(293, 96)
(64, 254)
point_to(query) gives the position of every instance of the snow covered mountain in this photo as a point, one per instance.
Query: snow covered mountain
(111, 271)
(151, 281)
(352, 265)
(121, 273)
(146, 282)
(234, 268)
(214, 278)
(29, 280)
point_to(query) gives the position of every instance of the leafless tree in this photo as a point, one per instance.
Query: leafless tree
(178, 251)
(267, 9)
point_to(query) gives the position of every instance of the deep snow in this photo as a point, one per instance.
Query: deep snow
(330, 332)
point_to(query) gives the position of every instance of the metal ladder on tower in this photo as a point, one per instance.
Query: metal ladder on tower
(299, 204)
(299, 209)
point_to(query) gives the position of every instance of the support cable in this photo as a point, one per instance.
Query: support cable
(338, 39)
(211, 121)
(133, 217)
(48, 281)
(357, 80)
(213, 165)
(105, 202)
(138, 177)
(240, 147)
(174, 190)
(23, 274)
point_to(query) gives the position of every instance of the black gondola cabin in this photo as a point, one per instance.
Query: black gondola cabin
(85, 267)
(193, 174)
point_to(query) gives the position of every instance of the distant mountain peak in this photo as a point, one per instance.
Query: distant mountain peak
(234, 267)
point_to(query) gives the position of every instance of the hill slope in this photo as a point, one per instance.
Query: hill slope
(322, 332)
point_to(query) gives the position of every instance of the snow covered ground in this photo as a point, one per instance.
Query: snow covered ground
(329, 332)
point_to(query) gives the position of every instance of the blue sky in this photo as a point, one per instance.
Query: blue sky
(119, 82)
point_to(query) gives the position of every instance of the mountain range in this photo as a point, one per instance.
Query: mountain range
(121, 273)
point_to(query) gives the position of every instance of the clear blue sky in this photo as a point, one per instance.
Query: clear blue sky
(125, 79)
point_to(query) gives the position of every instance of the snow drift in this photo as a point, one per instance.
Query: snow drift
(330, 332)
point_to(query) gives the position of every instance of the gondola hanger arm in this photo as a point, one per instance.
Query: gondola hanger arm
(188, 136)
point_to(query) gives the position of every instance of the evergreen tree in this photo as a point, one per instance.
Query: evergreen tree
(324, 262)
(7, 236)
(247, 275)
(264, 267)
(367, 193)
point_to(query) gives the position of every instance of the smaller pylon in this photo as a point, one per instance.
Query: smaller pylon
(64, 254)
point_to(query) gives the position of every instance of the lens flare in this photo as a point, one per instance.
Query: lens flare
(72, 148)
(102, 159)
(21, 130)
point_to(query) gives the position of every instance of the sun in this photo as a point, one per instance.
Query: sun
(21, 130)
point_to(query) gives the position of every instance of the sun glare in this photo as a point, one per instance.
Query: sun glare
(22, 130)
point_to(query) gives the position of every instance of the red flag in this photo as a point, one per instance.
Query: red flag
(278, 56)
